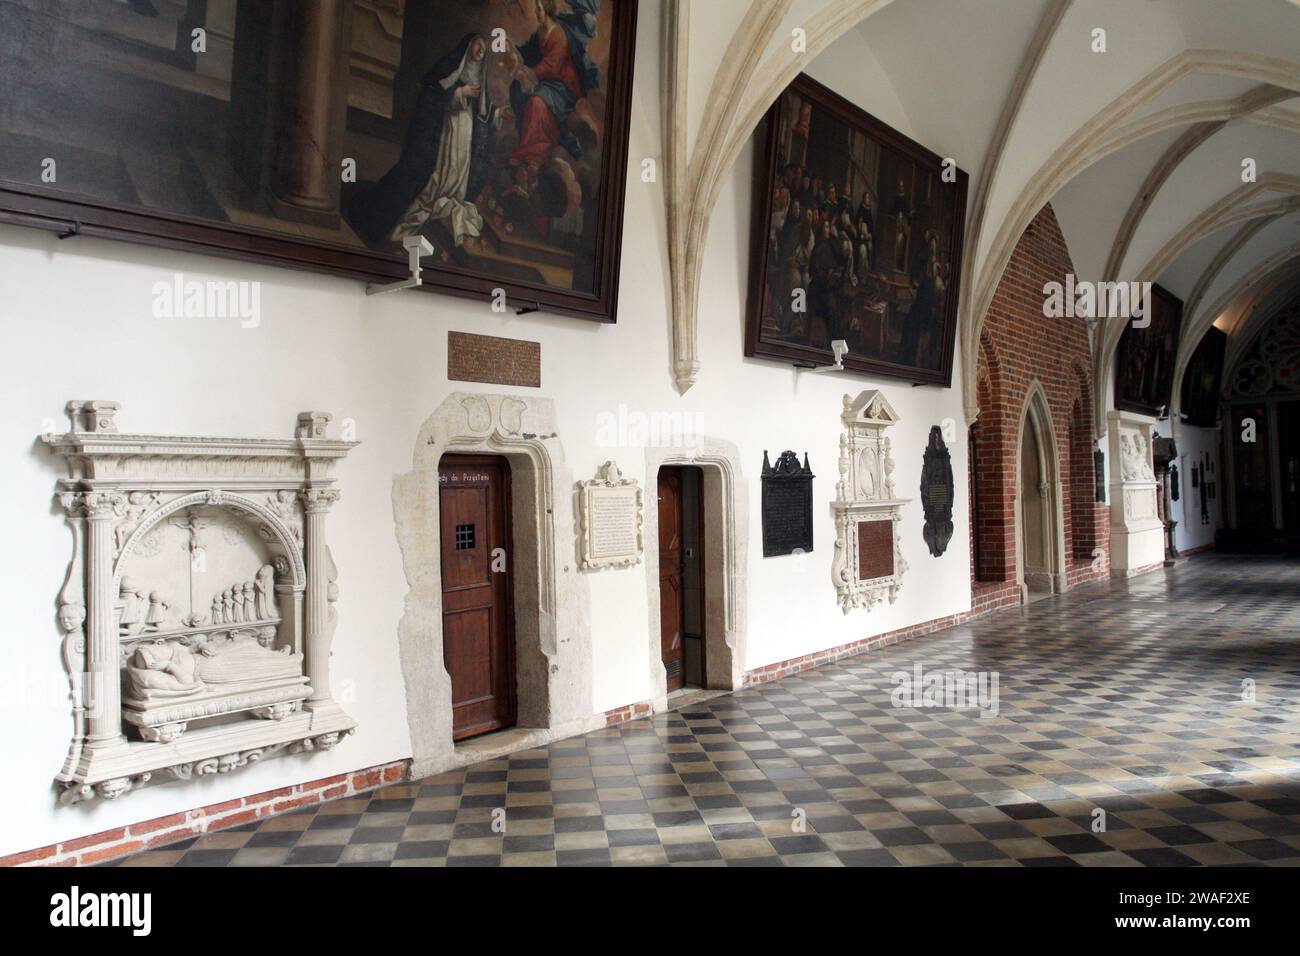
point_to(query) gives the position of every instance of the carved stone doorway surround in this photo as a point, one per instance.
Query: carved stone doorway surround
(726, 546)
(1037, 416)
(552, 624)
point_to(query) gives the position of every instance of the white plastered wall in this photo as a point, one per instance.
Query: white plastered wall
(77, 323)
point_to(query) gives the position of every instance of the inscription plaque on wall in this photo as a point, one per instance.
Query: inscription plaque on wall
(787, 505)
(493, 360)
(610, 514)
(937, 493)
(875, 549)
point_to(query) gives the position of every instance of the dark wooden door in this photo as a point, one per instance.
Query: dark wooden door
(477, 616)
(1288, 433)
(672, 611)
(1253, 490)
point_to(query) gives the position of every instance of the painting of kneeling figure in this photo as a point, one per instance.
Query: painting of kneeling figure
(321, 135)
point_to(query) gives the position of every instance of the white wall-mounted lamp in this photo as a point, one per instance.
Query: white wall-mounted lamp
(416, 247)
(839, 348)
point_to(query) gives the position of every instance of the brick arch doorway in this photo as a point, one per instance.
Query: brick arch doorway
(1040, 531)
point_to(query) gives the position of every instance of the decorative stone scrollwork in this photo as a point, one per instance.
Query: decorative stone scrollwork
(868, 563)
(196, 621)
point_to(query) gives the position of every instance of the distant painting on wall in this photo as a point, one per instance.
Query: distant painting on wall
(1203, 380)
(320, 135)
(1144, 360)
(858, 236)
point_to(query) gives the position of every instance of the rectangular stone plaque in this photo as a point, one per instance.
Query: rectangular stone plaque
(493, 360)
(787, 506)
(875, 549)
(611, 518)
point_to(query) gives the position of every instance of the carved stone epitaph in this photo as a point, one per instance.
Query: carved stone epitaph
(197, 611)
(787, 505)
(1136, 531)
(868, 564)
(610, 515)
(937, 493)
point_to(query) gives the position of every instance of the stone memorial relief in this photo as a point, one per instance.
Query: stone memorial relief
(868, 564)
(1137, 533)
(198, 609)
(937, 493)
(787, 505)
(610, 515)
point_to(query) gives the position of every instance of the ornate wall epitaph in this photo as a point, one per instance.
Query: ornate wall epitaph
(937, 493)
(198, 609)
(610, 513)
(787, 505)
(868, 564)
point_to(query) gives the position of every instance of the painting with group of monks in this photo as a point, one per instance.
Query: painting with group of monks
(858, 234)
(322, 135)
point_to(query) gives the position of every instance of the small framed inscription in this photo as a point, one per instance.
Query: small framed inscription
(787, 505)
(610, 512)
(493, 360)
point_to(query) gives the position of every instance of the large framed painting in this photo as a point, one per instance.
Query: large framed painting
(1203, 380)
(1144, 359)
(319, 135)
(857, 236)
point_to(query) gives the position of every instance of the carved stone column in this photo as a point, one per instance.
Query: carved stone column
(320, 619)
(104, 691)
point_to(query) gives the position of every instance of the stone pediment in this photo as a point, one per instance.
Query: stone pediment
(870, 407)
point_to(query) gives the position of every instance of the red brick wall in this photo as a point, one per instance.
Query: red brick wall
(1018, 346)
(160, 831)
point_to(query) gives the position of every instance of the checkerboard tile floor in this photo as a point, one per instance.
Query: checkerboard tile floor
(1133, 698)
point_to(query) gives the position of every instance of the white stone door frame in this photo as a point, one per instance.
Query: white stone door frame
(552, 624)
(725, 505)
(1037, 414)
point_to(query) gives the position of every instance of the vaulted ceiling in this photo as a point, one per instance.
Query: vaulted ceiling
(1139, 149)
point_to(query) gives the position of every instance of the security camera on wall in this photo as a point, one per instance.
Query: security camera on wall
(839, 348)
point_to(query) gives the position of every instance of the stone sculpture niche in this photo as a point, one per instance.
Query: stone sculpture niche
(937, 493)
(868, 565)
(198, 609)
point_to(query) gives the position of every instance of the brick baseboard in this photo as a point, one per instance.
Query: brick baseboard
(160, 831)
(621, 715)
(1203, 549)
(771, 672)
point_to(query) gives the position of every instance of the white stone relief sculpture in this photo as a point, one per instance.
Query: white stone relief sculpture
(868, 564)
(197, 613)
(610, 519)
(1136, 531)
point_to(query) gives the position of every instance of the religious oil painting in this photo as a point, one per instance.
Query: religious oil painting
(1144, 359)
(320, 135)
(858, 234)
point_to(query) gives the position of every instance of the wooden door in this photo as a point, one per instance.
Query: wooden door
(1253, 491)
(1288, 431)
(477, 613)
(672, 612)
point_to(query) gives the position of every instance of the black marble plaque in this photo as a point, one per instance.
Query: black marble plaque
(787, 505)
(1099, 475)
(937, 493)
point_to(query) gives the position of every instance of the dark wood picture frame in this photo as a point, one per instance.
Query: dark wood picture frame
(72, 214)
(1203, 380)
(1144, 357)
(830, 104)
